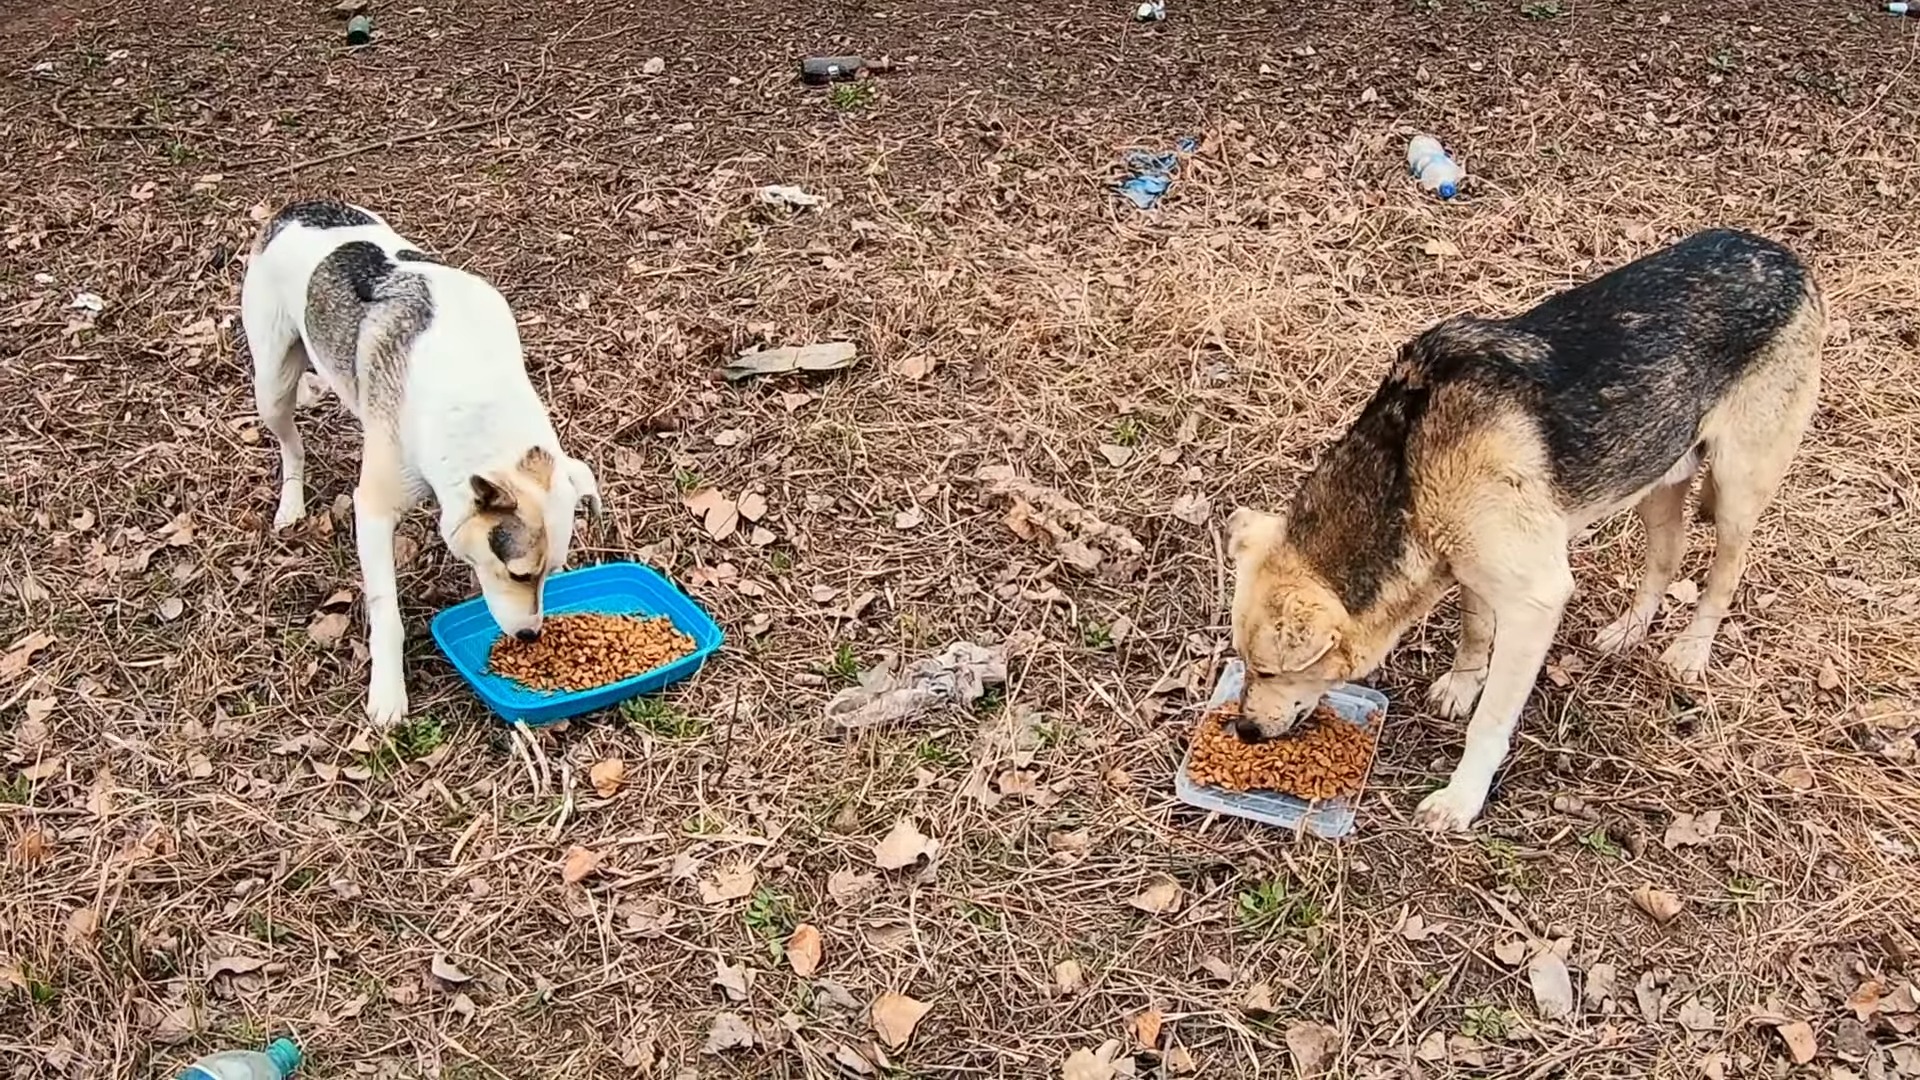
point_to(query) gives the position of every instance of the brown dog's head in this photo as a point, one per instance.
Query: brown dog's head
(1289, 627)
(517, 531)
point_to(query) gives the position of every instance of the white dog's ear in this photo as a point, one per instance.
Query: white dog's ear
(585, 487)
(1250, 530)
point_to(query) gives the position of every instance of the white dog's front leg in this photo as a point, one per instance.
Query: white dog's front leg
(377, 505)
(1523, 631)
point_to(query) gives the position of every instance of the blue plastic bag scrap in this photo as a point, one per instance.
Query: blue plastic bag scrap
(1152, 174)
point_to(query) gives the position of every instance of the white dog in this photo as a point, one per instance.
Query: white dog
(428, 358)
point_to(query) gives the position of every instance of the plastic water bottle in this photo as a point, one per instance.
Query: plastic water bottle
(1429, 163)
(277, 1063)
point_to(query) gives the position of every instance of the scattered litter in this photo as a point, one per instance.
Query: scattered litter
(821, 70)
(655, 65)
(87, 301)
(831, 356)
(1901, 7)
(957, 677)
(1150, 11)
(789, 195)
(360, 30)
(1152, 173)
(1076, 536)
(1429, 163)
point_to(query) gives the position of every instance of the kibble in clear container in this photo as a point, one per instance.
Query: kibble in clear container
(1324, 765)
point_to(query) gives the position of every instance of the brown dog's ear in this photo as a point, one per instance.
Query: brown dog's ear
(538, 464)
(489, 497)
(1250, 530)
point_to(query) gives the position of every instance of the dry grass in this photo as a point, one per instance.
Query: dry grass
(186, 783)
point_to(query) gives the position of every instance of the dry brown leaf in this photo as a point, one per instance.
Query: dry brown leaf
(1661, 906)
(1161, 897)
(1695, 1016)
(82, 926)
(1068, 978)
(753, 506)
(1798, 1035)
(20, 654)
(1258, 1000)
(607, 776)
(903, 846)
(1312, 1046)
(894, 1016)
(1146, 1026)
(327, 630)
(1684, 591)
(1865, 999)
(176, 1025)
(1686, 830)
(1180, 1061)
(1085, 1064)
(171, 608)
(804, 948)
(233, 965)
(1511, 951)
(1116, 454)
(727, 1032)
(1552, 986)
(1193, 509)
(846, 884)
(1797, 777)
(719, 515)
(734, 980)
(910, 518)
(1438, 247)
(729, 883)
(579, 864)
(446, 970)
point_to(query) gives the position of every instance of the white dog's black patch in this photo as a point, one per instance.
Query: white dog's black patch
(363, 312)
(316, 214)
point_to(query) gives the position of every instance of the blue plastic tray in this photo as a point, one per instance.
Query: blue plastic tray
(466, 633)
(1328, 820)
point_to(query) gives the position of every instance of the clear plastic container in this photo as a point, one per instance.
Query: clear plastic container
(1328, 820)
(279, 1061)
(1431, 165)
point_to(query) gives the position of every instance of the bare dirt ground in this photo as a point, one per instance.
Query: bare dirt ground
(200, 847)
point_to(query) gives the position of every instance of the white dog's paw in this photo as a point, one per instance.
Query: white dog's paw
(1454, 693)
(386, 703)
(1620, 635)
(1451, 809)
(1686, 658)
(293, 507)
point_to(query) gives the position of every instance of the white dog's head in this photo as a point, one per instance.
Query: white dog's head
(516, 529)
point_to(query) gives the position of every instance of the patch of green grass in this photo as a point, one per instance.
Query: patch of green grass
(1052, 734)
(771, 917)
(1723, 60)
(302, 879)
(703, 825)
(1505, 865)
(406, 742)
(990, 701)
(40, 989)
(852, 96)
(779, 562)
(661, 719)
(17, 790)
(1274, 905)
(934, 751)
(685, 480)
(844, 666)
(1490, 1023)
(179, 153)
(1096, 635)
(1743, 891)
(984, 918)
(266, 929)
(1598, 842)
(1128, 432)
(1540, 10)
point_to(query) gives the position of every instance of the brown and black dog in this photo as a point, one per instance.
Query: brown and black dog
(1492, 443)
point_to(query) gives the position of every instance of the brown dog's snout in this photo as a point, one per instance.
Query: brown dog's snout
(1248, 731)
(527, 634)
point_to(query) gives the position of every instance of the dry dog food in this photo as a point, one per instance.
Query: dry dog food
(580, 652)
(1324, 757)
